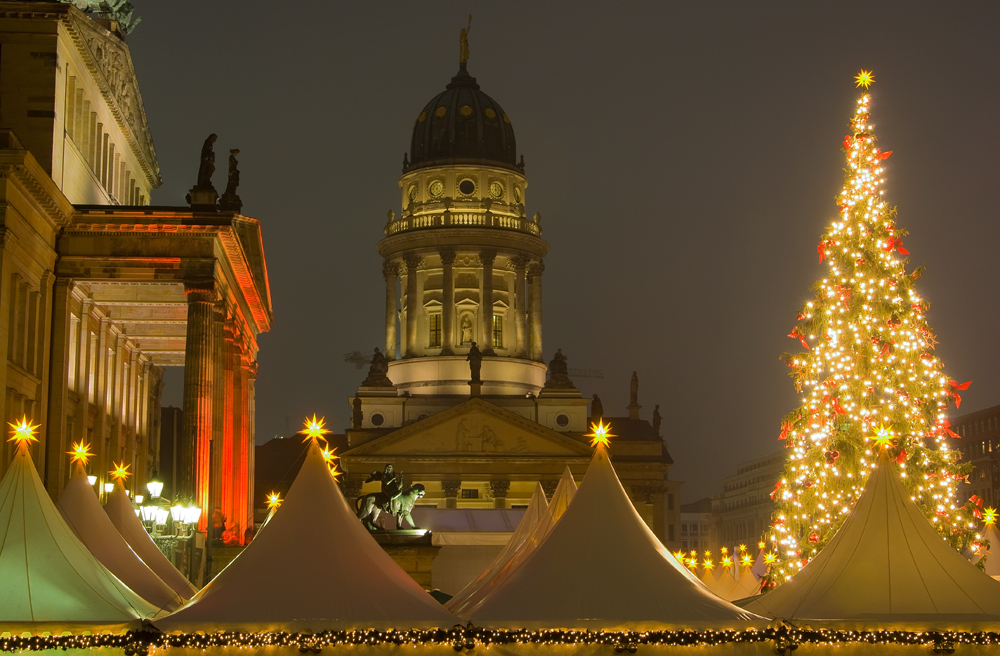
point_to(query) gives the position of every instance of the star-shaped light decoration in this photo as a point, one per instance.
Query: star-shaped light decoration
(727, 562)
(746, 560)
(990, 516)
(601, 433)
(743, 547)
(315, 428)
(273, 500)
(708, 564)
(80, 453)
(770, 558)
(23, 432)
(120, 472)
(883, 437)
(864, 79)
(679, 555)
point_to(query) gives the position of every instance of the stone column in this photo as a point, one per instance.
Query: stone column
(236, 408)
(412, 306)
(83, 372)
(499, 490)
(243, 475)
(57, 437)
(227, 413)
(198, 370)
(251, 442)
(487, 258)
(448, 303)
(217, 449)
(390, 271)
(535, 310)
(451, 489)
(520, 306)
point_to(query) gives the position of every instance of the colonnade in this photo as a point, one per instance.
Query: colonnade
(220, 372)
(527, 303)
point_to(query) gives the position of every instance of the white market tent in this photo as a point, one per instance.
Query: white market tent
(50, 581)
(535, 512)
(469, 599)
(315, 568)
(992, 564)
(602, 568)
(83, 513)
(119, 510)
(886, 566)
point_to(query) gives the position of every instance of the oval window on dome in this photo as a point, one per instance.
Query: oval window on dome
(440, 111)
(422, 117)
(411, 193)
(466, 110)
(467, 187)
(490, 113)
(517, 194)
(436, 188)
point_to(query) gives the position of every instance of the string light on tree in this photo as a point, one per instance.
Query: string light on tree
(869, 372)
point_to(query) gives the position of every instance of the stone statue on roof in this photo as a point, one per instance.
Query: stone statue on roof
(230, 200)
(207, 167)
(558, 371)
(596, 409)
(463, 43)
(475, 358)
(378, 371)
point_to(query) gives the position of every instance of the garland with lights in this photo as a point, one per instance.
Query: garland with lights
(868, 374)
(467, 638)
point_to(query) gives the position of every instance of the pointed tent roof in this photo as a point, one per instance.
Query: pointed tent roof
(119, 510)
(315, 568)
(992, 564)
(601, 568)
(885, 565)
(83, 513)
(50, 580)
(561, 499)
(537, 507)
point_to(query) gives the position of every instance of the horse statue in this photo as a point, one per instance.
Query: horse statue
(392, 500)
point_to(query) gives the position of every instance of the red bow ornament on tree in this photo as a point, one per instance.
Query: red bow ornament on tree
(956, 388)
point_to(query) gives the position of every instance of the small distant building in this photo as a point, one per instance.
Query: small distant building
(696, 526)
(742, 512)
(980, 445)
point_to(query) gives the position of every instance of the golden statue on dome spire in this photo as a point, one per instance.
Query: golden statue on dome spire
(463, 43)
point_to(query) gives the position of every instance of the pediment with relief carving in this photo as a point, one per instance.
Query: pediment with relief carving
(474, 428)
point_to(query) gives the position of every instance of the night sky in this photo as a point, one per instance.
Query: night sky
(685, 158)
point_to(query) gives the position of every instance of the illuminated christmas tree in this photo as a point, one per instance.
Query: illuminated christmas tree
(868, 374)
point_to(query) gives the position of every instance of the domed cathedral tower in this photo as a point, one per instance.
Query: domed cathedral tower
(468, 258)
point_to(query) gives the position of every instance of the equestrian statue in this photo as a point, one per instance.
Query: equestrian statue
(392, 500)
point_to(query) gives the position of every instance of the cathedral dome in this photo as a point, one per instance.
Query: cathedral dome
(462, 125)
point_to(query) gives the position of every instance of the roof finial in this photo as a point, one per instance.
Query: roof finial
(463, 43)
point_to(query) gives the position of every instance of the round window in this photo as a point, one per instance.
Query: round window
(562, 420)
(411, 193)
(517, 194)
(496, 189)
(467, 187)
(377, 419)
(436, 188)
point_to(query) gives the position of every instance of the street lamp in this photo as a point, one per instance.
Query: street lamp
(92, 480)
(154, 485)
(109, 488)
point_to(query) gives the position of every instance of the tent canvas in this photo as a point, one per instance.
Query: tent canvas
(886, 566)
(119, 510)
(83, 513)
(534, 514)
(602, 568)
(51, 582)
(561, 498)
(314, 568)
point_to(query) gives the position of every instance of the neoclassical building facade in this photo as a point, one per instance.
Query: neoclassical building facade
(99, 290)
(463, 264)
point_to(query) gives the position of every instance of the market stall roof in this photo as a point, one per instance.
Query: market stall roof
(602, 568)
(51, 582)
(119, 511)
(83, 513)
(314, 568)
(463, 605)
(532, 516)
(992, 564)
(887, 564)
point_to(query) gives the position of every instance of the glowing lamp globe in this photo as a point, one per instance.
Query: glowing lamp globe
(154, 486)
(109, 488)
(191, 514)
(161, 516)
(149, 512)
(92, 480)
(177, 512)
